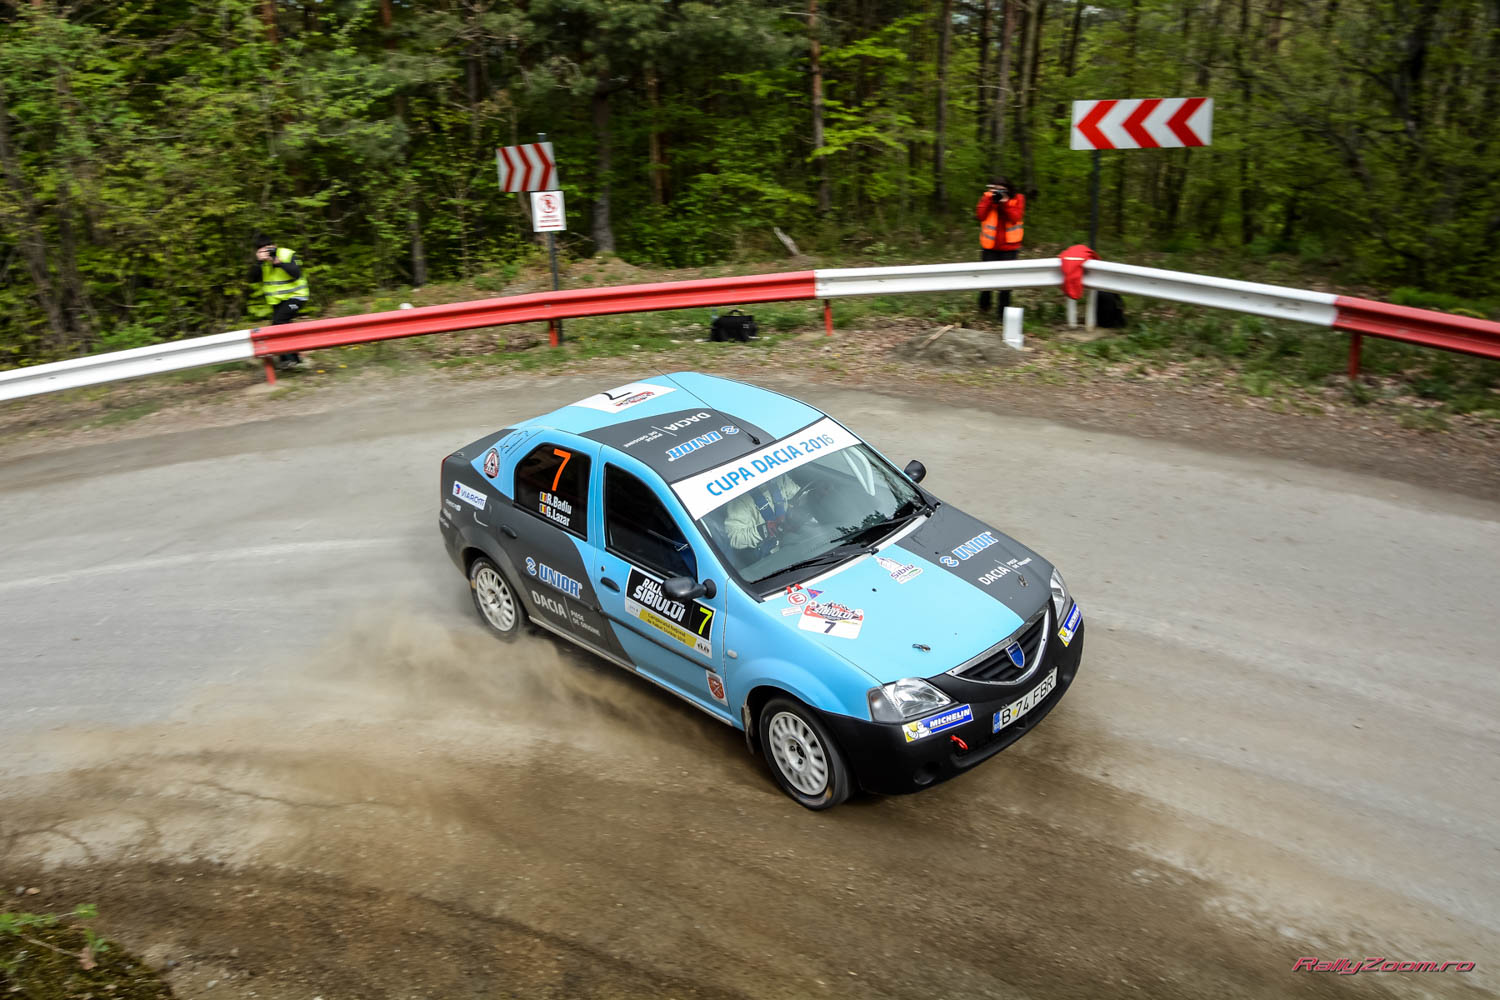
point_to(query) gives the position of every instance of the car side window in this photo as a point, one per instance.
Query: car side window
(638, 528)
(552, 482)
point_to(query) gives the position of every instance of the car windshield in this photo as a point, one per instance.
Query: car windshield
(813, 516)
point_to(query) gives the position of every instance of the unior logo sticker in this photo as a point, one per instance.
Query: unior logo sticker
(624, 397)
(473, 498)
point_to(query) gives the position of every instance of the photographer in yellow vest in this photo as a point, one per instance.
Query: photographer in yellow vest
(282, 284)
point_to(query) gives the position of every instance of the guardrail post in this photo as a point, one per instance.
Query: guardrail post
(827, 318)
(270, 371)
(552, 337)
(1072, 305)
(1091, 313)
(1355, 342)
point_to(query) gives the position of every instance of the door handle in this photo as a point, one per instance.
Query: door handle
(507, 531)
(610, 584)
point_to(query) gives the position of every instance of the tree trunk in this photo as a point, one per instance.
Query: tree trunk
(657, 167)
(32, 243)
(268, 15)
(604, 233)
(1002, 90)
(815, 57)
(1031, 53)
(418, 247)
(939, 146)
(982, 88)
(1132, 37)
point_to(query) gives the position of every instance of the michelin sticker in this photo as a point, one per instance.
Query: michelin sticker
(923, 728)
(900, 572)
(688, 622)
(473, 498)
(554, 579)
(624, 397)
(712, 489)
(832, 618)
(1070, 624)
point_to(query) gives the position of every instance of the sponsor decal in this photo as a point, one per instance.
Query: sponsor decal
(730, 429)
(798, 595)
(968, 550)
(923, 728)
(452, 504)
(1070, 624)
(900, 572)
(788, 612)
(624, 397)
(688, 447)
(1002, 570)
(554, 579)
(1016, 653)
(555, 508)
(652, 435)
(832, 618)
(688, 622)
(716, 688)
(551, 604)
(580, 622)
(716, 487)
(471, 497)
(948, 561)
(492, 463)
(685, 422)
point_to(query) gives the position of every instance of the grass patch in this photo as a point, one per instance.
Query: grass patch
(125, 414)
(57, 957)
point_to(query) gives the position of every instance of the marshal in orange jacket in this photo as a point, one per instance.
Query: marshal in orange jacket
(990, 211)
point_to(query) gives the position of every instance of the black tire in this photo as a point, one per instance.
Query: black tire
(497, 602)
(804, 759)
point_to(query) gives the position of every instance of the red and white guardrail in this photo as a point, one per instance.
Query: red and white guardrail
(1342, 312)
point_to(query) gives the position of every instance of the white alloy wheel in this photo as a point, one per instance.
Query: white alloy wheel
(799, 753)
(494, 598)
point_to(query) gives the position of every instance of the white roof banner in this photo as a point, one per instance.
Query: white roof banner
(708, 490)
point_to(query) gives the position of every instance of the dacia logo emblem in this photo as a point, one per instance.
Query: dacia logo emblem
(1017, 654)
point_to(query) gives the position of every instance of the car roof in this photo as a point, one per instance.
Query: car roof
(681, 424)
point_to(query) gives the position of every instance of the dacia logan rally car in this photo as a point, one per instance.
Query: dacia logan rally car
(753, 556)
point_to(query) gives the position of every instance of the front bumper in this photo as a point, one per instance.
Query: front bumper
(885, 763)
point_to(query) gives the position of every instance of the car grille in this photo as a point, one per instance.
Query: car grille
(994, 665)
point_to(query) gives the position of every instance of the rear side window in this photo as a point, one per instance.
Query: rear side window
(552, 482)
(638, 528)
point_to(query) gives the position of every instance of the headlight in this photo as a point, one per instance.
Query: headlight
(1059, 595)
(908, 698)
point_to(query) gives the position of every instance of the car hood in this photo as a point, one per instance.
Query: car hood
(940, 594)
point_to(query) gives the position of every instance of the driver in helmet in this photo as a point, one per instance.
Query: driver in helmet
(756, 519)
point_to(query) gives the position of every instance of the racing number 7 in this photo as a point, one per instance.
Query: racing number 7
(564, 455)
(708, 616)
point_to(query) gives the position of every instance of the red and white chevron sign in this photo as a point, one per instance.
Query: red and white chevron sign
(1143, 124)
(526, 168)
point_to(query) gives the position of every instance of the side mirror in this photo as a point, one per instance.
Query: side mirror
(915, 471)
(685, 588)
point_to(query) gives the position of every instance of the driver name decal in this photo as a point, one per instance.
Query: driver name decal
(690, 623)
(716, 487)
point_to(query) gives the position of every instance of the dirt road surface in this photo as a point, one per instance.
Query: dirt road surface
(246, 708)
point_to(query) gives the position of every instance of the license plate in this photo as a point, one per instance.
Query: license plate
(1031, 699)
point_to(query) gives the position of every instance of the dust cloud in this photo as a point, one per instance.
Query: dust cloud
(418, 809)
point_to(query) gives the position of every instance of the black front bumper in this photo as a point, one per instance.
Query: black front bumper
(885, 763)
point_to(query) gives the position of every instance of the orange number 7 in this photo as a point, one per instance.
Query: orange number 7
(564, 455)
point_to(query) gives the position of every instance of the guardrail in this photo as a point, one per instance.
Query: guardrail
(1358, 316)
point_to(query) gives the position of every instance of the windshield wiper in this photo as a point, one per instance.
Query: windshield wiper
(921, 508)
(836, 554)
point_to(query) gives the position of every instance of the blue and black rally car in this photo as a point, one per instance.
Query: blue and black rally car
(753, 556)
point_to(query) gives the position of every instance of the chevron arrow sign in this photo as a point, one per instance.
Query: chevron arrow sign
(526, 168)
(1149, 123)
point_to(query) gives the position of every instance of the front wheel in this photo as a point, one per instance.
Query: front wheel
(807, 764)
(494, 599)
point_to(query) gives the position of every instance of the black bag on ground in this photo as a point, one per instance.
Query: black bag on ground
(733, 325)
(1109, 310)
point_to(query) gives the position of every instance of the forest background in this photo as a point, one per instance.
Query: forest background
(143, 143)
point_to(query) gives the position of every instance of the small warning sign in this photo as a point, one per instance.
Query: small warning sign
(547, 212)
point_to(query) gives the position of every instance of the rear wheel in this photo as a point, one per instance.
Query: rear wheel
(495, 599)
(806, 762)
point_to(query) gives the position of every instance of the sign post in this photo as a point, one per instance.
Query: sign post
(1151, 123)
(531, 167)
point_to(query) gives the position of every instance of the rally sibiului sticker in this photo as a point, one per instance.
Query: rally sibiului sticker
(624, 397)
(832, 618)
(688, 622)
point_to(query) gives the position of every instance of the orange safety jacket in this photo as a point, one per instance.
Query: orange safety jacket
(989, 212)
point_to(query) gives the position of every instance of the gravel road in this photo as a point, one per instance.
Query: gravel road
(246, 707)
